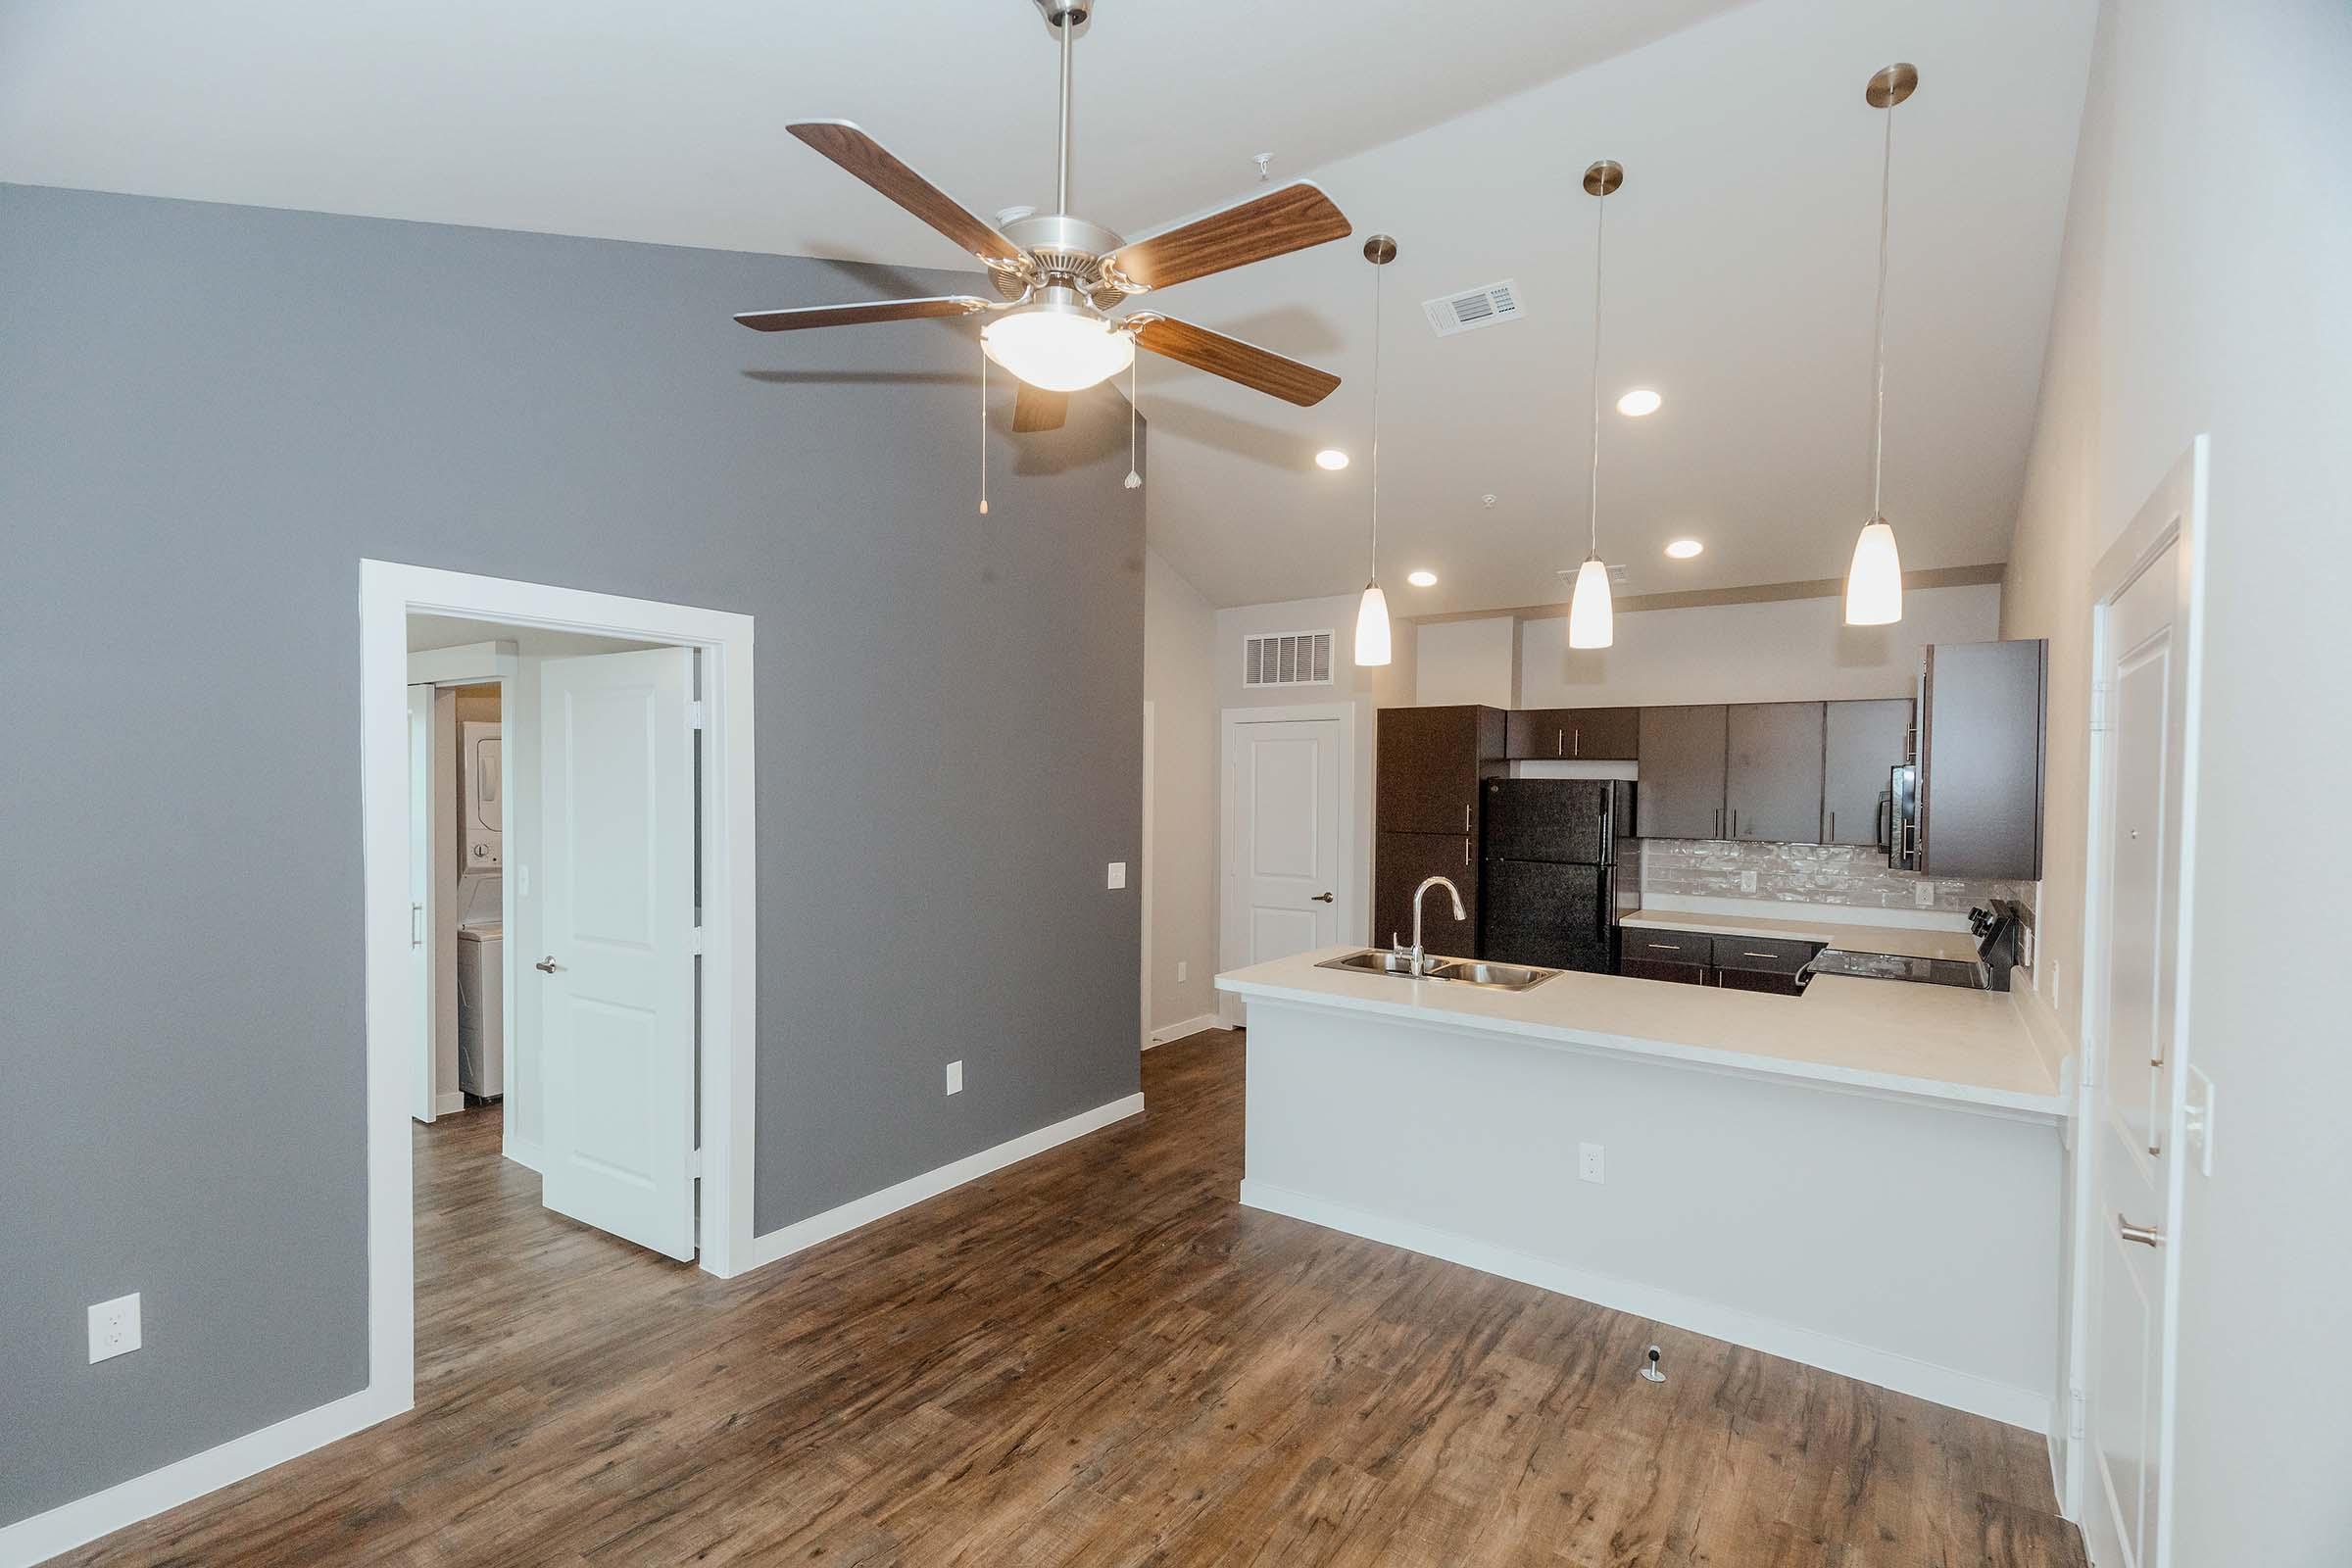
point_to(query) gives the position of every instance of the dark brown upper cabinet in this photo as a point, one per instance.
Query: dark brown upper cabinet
(1862, 741)
(1428, 765)
(1401, 863)
(1572, 734)
(1981, 737)
(1772, 787)
(1685, 751)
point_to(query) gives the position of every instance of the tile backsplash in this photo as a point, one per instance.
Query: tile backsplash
(1806, 873)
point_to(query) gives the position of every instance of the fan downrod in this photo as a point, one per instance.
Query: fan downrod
(1063, 12)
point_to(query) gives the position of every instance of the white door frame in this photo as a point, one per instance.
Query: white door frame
(389, 592)
(1349, 913)
(2175, 512)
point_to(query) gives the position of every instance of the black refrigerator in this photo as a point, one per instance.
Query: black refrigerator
(1548, 870)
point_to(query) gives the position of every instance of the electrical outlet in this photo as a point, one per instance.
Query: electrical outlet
(1923, 894)
(1118, 873)
(955, 1077)
(1747, 881)
(1182, 971)
(1588, 1162)
(114, 1327)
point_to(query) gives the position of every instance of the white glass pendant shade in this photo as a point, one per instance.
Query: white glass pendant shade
(1591, 616)
(1058, 350)
(1372, 627)
(1874, 583)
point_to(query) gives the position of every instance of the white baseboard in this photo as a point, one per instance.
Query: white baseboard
(86, 1519)
(1178, 1031)
(802, 1235)
(449, 1104)
(1945, 1386)
(524, 1154)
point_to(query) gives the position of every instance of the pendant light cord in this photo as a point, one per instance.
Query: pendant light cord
(1599, 222)
(1376, 292)
(1877, 366)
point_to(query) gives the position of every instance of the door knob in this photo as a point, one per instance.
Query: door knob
(1322, 897)
(546, 966)
(2144, 1235)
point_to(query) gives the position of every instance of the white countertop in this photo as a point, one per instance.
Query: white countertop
(1906, 941)
(1935, 1043)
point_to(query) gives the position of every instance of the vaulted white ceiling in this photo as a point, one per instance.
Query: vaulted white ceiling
(1740, 256)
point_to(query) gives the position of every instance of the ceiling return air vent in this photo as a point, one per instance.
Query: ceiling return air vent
(1489, 305)
(1287, 659)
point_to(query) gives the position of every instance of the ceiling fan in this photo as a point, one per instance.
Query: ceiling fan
(1057, 275)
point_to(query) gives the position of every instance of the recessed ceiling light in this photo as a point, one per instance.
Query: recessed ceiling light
(1422, 579)
(1684, 549)
(1640, 401)
(1331, 458)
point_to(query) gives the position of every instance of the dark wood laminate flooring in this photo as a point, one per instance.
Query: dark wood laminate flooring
(1097, 1358)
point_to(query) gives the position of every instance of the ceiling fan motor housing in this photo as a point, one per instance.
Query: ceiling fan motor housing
(1073, 12)
(1068, 253)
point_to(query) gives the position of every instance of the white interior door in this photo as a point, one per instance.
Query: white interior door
(617, 977)
(1282, 839)
(422, 1001)
(2136, 1178)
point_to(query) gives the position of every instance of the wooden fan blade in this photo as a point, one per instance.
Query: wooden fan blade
(867, 159)
(1036, 409)
(1291, 219)
(1235, 360)
(857, 315)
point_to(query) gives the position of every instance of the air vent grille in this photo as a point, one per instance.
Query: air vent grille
(1488, 305)
(1287, 659)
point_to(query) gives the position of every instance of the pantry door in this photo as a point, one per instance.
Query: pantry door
(1286, 888)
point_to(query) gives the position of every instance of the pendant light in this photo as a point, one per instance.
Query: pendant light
(1591, 616)
(1372, 615)
(1873, 582)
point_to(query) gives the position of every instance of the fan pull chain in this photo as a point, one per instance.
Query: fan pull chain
(1135, 480)
(984, 432)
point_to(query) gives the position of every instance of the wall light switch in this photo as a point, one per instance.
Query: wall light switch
(1923, 894)
(1588, 1162)
(1118, 873)
(1182, 971)
(2198, 1112)
(114, 1327)
(955, 1077)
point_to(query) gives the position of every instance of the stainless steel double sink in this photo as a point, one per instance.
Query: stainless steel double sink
(1448, 971)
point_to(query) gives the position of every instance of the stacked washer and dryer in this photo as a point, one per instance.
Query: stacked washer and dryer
(481, 939)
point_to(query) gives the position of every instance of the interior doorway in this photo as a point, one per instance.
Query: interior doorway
(569, 776)
(2138, 1136)
(1287, 835)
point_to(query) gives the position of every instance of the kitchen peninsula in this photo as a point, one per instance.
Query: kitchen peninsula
(1865, 1178)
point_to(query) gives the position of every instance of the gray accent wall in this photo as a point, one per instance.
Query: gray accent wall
(207, 415)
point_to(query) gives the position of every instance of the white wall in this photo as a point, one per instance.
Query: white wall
(1787, 650)
(2204, 289)
(1467, 662)
(1388, 686)
(1180, 682)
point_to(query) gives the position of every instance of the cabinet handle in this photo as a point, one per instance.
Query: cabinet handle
(1465, 818)
(1833, 827)
(1759, 955)
(1558, 740)
(1577, 737)
(2144, 1235)
(1465, 852)
(1667, 947)
(1735, 821)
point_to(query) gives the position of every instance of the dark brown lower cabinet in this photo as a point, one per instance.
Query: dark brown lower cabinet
(1400, 863)
(1784, 985)
(1688, 974)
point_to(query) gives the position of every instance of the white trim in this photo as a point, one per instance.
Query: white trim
(86, 1519)
(521, 1153)
(802, 1235)
(469, 665)
(1940, 1385)
(1351, 914)
(2174, 512)
(1167, 1033)
(449, 1101)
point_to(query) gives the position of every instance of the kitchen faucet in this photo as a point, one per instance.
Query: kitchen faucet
(1460, 913)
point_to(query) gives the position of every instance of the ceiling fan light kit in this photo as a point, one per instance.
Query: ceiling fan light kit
(1059, 276)
(1874, 579)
